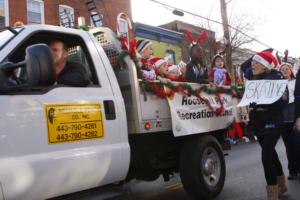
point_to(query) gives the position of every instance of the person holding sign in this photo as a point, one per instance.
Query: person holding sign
(266, 121)
(288, 113)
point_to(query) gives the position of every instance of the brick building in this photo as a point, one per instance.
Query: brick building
(59, 12)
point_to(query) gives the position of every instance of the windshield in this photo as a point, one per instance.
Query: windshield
(6, 35)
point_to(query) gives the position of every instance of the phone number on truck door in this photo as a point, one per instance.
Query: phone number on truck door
(73, 122)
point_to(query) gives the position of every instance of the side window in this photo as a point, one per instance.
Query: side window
(170, 55)
(66, 16)
(35, 12)
(77, 54)
(79, 62)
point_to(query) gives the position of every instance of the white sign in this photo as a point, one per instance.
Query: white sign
(190, 115)
(291, 86)
(263, 92)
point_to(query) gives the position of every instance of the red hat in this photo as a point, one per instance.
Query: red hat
(156, 62)
(265, 58)
(172, 67)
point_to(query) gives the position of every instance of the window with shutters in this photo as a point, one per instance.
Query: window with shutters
(35, 12)
(4, 20)
(66, 16)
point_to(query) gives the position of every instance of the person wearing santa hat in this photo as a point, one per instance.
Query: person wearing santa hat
(163, 70)
(266, 122)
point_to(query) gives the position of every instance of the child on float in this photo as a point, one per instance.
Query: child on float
(219, 74)
(166, 72)
(178, 71)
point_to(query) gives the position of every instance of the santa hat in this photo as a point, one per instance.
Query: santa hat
(173, 68)
(266, 59)
(141, 45)
(156, 62)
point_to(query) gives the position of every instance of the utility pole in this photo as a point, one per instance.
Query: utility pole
(228, 47)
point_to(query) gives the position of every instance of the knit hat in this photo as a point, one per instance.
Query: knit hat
(141, 45)
(156, 62)
(265, 58)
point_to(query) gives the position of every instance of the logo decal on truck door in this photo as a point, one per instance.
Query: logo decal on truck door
(73, 122)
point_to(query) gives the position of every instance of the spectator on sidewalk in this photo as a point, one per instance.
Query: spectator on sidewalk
(297, 123)
(288, 133)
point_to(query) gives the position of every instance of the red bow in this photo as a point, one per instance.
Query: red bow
(132, 50)
(124, 43)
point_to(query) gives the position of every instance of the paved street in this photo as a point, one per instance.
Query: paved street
(244, 180)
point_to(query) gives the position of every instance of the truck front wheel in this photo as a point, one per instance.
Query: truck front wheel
(202, 167)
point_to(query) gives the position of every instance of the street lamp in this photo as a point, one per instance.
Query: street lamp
(178, 13)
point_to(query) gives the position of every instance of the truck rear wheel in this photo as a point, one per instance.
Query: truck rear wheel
(202, 167)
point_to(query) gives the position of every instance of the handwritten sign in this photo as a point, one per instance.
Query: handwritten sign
(291, 86)
(263, 92)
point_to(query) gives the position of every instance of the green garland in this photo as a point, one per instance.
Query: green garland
(183, 88)
(122, 65)
(233, 90)
(121, 60)
(83, 27)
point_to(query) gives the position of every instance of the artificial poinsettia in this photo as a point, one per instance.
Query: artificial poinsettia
(124, 43)
(132, 49)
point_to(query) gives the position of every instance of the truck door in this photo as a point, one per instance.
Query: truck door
(62, 139)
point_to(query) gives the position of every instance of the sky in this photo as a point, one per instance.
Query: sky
(275, 22)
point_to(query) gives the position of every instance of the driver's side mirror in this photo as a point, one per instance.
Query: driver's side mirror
(38, 66)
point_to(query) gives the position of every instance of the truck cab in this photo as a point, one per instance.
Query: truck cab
(35, 165)
(57, 139)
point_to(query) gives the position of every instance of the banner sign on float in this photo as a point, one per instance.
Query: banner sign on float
(263, 92)
(190, 115)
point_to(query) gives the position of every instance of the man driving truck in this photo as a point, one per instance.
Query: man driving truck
(67, 73)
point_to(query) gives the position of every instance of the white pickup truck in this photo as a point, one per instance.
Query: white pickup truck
(56, 140)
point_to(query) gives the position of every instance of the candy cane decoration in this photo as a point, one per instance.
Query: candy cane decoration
(120, 18)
